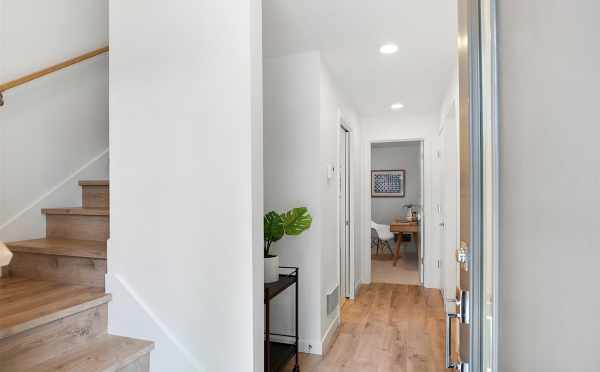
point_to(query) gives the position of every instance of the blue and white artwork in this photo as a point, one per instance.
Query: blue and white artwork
(390, 183)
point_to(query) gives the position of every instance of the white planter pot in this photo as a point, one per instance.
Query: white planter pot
(271, 269)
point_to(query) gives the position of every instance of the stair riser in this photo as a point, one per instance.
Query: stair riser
(140, 365)
(53, 339)
(95, 196)
(77, 227)
(71, 270)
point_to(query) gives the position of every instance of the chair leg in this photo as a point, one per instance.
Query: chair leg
(389, 247)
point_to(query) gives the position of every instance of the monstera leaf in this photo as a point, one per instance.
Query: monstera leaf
(274, 229)
(296, 221)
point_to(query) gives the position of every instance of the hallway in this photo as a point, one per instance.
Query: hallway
(405, 272)
(388, 328)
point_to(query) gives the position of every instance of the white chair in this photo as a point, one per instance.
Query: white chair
(384, 235)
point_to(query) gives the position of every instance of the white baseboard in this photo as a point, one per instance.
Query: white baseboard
(317, 347)
(331, 334)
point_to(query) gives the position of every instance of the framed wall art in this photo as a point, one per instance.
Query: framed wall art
(388, 183)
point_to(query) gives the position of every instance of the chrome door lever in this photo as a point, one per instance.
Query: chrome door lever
(449, 362)
(459, 366)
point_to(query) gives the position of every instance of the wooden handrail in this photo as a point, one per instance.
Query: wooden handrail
(47, 71)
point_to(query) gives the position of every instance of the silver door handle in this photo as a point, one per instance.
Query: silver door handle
(449, 362)
(463, 307)
(458, 366)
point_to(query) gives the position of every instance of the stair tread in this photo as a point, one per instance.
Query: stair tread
(77, 211)
(61, 247)
(94, 183)
(28, 303)
(103, 354)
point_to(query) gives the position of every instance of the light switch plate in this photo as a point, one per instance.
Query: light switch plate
(330, 172)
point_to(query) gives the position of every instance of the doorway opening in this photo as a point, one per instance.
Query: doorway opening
(402, 83)
(397, 217)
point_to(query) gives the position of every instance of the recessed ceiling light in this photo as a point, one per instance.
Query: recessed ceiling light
(389, 48)
(397, 106)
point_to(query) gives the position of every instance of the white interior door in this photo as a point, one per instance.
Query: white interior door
(421, 247)
(448, 209)
(440, 210)
(344, 212)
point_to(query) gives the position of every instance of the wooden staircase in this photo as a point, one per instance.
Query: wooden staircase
(53, 306)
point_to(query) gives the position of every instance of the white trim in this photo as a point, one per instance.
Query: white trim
(195, 363)
(333, 327)
(314, 346)
(352, 269)
(55, 188)
(491, 162)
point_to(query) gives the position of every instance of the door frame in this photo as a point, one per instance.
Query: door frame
(485, 175)
(490, 182)
(351, 270)
(367, 213)
(348, 255)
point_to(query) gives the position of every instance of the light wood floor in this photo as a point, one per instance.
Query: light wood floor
(405, 272)
(388, 328)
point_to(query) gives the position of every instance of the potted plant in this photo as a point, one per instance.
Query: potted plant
(293, 222)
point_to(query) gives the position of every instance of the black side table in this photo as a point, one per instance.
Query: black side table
(278, 354)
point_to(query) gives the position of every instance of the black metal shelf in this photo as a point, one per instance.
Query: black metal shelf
(278, 354)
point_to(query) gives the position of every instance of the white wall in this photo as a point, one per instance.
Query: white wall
(402, 127)
(392, 156)
(292, 171)
(549, 199)
(334, 108)
(256, 99)
(184, 119)
(302, 110)
(53, 128)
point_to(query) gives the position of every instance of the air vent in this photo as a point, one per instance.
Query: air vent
(333, 300)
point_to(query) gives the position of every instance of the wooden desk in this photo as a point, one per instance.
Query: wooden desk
(400, 227)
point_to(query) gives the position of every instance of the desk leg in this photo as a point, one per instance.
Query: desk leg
(398, 247)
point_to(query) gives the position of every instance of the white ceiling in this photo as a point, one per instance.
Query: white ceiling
(349, 33)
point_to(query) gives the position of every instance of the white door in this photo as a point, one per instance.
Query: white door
(448, 198)
(437, 199)
(344, 213)
(421, 248)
